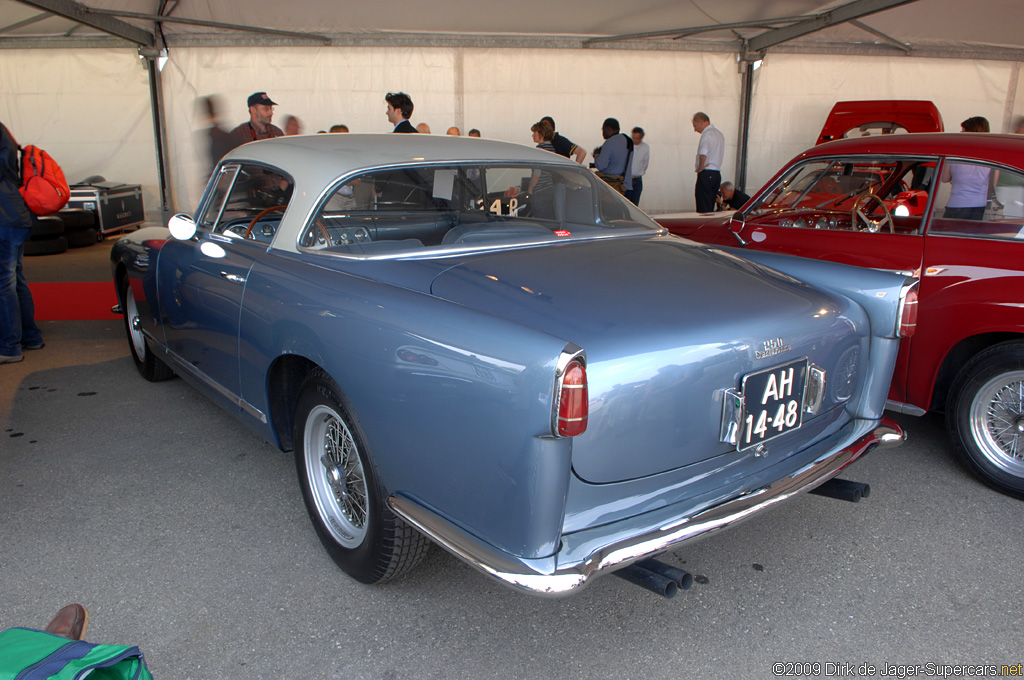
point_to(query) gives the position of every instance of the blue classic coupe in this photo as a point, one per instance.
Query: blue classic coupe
(483, 345)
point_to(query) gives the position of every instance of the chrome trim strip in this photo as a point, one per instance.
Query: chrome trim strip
(252, 411)
(543, 576)
(179, 363)
(900, 407)
(441, 252)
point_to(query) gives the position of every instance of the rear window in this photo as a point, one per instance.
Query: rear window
(880, 127)
(423, 208)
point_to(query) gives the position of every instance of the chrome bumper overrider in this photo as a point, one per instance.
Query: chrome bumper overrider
(545, 577)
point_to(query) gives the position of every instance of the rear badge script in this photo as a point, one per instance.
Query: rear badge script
(772, 348)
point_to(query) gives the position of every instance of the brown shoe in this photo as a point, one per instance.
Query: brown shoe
(70, 622)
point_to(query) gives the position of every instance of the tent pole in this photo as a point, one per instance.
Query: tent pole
(156, 104)
(746, 94)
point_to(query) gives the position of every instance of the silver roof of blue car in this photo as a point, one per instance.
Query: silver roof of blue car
(316, 162)
(326, 156)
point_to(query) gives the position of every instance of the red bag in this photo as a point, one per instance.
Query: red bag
(42, 182)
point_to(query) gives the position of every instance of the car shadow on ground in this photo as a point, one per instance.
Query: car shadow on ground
(185, 533)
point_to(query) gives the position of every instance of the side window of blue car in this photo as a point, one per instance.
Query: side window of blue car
(410, 208)
(218, 196)
(247, 201)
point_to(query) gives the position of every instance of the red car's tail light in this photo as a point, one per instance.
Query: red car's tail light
(908, 312)
(573, 400)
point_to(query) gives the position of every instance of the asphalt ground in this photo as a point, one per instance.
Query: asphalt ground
(185, 534)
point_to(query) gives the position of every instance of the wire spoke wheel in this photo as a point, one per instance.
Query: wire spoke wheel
(336, 476)
(149, 366)
(342, 491)
(985, 416)
(997, 421)
(134, 334)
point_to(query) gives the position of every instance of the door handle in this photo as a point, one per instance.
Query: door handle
(233, 278)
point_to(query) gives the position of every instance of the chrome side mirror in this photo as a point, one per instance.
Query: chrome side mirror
(182, 227)
(736, 225)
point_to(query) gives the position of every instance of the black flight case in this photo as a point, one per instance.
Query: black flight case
(117, 206)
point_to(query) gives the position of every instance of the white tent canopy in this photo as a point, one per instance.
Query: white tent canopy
(921, 25)
(86, 96)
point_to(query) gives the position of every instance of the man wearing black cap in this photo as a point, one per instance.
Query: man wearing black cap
(261, 111)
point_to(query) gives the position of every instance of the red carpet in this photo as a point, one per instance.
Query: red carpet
(73, 300)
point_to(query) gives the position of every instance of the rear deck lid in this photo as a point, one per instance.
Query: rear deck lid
(666, 326)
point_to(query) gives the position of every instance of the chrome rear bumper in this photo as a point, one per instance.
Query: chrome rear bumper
(545, 577)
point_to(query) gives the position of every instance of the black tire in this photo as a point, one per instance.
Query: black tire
(50, 246)
(77, 219)
(985, 417)
(81, 239)
(342, 492)
(47, 227)
(150, 367)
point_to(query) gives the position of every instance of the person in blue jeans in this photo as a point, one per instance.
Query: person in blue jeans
(18, 329)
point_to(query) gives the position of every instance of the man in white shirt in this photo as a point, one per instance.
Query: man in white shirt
(710, 153)
(641, 159)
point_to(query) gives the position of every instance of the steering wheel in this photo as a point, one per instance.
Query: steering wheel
(260, 215)
(870, 224)
(323, 230)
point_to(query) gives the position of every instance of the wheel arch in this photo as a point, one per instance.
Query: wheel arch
(120, 273)
(285, 378)
(957, 357)
(130, 263)
(983, 416)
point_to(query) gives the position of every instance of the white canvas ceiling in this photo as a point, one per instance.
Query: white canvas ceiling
(922, 25)
(84, 95)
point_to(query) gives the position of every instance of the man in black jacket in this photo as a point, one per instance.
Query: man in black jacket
(18, 330)
(729, 198)
(400, 111)
(565, 147)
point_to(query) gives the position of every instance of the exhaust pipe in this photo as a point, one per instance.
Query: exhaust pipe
(657, 577)
(683, 578)
(648, 580)
(843, 489)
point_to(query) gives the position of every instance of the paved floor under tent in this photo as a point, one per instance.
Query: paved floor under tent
(185, 534)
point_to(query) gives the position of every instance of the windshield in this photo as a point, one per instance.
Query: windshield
(836, 184)
(422, 208)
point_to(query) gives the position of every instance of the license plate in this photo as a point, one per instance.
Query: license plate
(772, 403)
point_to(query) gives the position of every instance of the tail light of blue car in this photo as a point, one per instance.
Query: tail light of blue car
(571, 404)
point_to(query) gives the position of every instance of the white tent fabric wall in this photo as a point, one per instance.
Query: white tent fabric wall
(508, 90)
(502, 92)
(92, 109)
(95, 117)
(793, 94)
(322, 86)
(88, 108)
